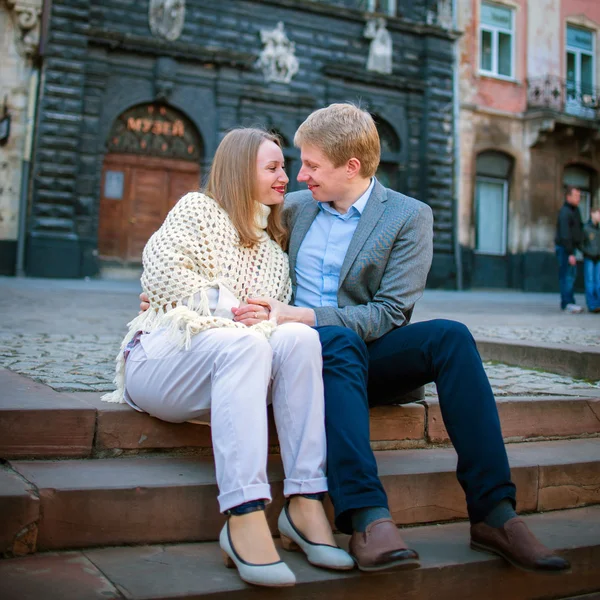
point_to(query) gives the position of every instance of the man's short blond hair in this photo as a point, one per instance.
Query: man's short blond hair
(342, 132)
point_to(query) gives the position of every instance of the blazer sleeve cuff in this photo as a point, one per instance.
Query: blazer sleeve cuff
(326, 315)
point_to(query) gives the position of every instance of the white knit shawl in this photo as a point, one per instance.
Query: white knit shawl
(195, 249)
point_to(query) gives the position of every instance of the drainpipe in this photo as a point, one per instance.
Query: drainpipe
(25, 171)
(456, 126)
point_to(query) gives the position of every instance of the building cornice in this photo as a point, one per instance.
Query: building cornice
(156, 46)
(358, 75)
(357, 15)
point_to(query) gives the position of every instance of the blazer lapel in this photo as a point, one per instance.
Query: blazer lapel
(374, 208)
(299, 230)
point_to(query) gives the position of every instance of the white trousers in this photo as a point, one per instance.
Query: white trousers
(229, 376)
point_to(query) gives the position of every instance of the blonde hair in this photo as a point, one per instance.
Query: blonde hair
(342, 132)
(232, 183)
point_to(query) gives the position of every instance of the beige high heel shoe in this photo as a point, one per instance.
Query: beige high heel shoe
(276, 574)
(320, 555)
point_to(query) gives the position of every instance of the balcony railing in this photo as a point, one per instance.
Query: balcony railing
(564, 97)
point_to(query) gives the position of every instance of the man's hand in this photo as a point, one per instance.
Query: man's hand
(144, 302)
(572, 260)
(278, 311)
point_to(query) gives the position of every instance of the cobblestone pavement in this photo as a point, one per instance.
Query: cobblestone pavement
(511, 315)
(67, 333)
(85, 362)
(556, 335)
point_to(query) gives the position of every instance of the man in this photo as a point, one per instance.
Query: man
(569, 235)
(359, 257)
(591, 260)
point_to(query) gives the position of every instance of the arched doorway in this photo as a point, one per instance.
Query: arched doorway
(584, 180)
(493, 171)
(390, 164)
(153, 159)
(491, 257)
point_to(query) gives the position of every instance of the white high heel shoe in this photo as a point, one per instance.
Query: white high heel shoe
(320, 555)
(276, 574)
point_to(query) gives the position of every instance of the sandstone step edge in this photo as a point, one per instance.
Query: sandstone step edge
(104, 430)
(449, 570)
(111, 501)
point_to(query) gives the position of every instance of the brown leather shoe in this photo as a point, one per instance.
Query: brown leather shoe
(381, 547)
(515, 543)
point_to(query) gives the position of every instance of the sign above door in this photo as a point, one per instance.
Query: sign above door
(155, 130)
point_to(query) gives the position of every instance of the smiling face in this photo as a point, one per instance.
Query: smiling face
(271, 180)
(326, 181)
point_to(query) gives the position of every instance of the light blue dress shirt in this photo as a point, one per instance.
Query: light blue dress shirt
(323, 250)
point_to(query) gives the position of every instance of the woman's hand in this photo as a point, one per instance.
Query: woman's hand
(144, 302)
(251, 314)
(284, 313)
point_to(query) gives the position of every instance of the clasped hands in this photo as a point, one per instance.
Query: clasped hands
(255, 311)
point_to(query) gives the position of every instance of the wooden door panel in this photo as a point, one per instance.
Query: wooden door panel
(111, 218)
(181, 183)
(151, 188)
(146, 208)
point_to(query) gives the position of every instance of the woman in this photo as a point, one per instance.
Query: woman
(186, 358)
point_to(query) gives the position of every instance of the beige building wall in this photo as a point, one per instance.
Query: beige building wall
(494, 115)
(544, 50)
(491, 114)
(19, 39)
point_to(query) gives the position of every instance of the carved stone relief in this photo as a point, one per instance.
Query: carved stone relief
(442, 17)
(26, 14)
(166, 18)
(380, 50)
(278, 57)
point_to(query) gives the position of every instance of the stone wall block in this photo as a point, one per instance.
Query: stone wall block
(59, 64)
(72, 13)
(52, 224)
(54, 196)
(51, 169)
(64, 91)
(67, 52)
(60, 142)
(53, 210)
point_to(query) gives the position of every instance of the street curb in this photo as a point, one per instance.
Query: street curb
(579, 362)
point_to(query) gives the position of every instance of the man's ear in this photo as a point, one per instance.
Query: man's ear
(353, 168)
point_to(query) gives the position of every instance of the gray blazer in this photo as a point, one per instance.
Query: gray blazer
(385, 268)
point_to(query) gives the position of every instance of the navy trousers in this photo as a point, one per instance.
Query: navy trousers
(359, 375)
(567, 275)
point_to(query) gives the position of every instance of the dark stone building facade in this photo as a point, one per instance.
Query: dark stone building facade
(128, 121)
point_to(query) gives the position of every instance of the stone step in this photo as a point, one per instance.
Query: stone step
(580, 362)
(449, 570)
(37, 422)
(155, 499)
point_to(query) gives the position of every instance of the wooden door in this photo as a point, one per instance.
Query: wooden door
(147, 209)
(137, 193)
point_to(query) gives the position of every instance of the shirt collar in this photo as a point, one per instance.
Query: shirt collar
(358, 206)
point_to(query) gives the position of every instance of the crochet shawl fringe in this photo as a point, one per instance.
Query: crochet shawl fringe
(181, 322)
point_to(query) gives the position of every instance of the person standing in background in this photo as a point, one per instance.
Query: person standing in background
(569, 236)
(591, 260)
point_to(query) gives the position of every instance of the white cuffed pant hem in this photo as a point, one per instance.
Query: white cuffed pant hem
(292, 487)
(257, 491)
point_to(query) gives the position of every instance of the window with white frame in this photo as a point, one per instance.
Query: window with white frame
(491, 202)
(581, 70)
(387, 7)
(496, 40)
